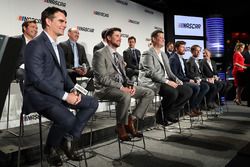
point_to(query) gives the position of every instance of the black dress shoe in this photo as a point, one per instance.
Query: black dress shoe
(53, 158)
(173, 120)
(161, 122)
(69, 149)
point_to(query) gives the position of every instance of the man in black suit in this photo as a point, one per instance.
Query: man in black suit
(247, 62)
(29, 29)
(77, 63)
(132, 57)
(209, 69)
(178, 67)
(170, 49)
(49, 90)
(102, 43)
(194, 71)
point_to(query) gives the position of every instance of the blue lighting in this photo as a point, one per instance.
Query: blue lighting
(215, 35)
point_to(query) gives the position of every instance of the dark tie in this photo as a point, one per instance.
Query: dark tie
(135, 57)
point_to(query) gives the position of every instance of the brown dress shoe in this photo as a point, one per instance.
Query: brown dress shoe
(197, 111)
(192, 114)
(130, 128)
(122, 134)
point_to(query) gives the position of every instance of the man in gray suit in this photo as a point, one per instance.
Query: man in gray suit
(111, 83)
(155, 73)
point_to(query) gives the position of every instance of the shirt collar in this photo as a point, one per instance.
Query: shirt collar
(50, 39)
(112, 51)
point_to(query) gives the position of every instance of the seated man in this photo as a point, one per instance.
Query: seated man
(155, 73)
(111, 83)
(132, 58)
(49, 90)
(209, 69)
(77, 63)
(29, 29)
(179, 68)
(194, 71)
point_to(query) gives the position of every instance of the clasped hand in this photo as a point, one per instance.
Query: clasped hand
(73, 98)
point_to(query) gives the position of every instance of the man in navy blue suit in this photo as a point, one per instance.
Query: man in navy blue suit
(50, 91)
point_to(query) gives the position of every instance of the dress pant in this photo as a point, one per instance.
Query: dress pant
(174, 99)
(90, 85)
(65, 122)
(123, 100)
(20, 77)
(213, 90)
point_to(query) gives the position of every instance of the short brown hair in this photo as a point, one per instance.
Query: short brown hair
(112, 30)
(26, 24)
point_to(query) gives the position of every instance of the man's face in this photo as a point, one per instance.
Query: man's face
(115, 39)
(206, 54)
(159, 41)
(131, 43)
(181, 50)
(170, 48)
(57, 24)
(74, 34)
(196, 52)
(31, 30)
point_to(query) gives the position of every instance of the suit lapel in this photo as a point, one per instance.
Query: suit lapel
(51, 50)
(156, 55)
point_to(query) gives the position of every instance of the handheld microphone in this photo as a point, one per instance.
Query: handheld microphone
(80, 89)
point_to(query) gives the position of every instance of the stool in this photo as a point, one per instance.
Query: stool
(21, 134)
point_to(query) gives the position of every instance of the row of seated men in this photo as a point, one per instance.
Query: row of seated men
(49, 91)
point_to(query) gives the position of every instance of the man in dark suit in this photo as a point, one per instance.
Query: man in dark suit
(178, 67)
(209, 69)
(111, 83)
(29, 29)
(247, 62)
(194, 71)
(156, 74)
(102, 43)
(170, 49)
(49, 90)
(132, 57)
(77, 63)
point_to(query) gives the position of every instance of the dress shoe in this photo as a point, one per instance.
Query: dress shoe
(197, 111)
(122, 134)
(69, 149)
(192, 114)
(53, 158)
(161, 122)
(130, 128)
(173, 120)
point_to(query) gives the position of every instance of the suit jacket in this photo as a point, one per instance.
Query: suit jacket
(247, 57)
(69, 55)
(192, 69)
(98, 46)
(105, 71)
(132, 67)
(176, 68)
(46, 80)
(152, 73)
(207, 71)
(20, 60)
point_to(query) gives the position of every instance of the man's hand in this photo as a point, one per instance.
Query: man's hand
(191, 81)
(73, 98)
(172, 84)
(132, 91)
(80, 71)
(125, 89)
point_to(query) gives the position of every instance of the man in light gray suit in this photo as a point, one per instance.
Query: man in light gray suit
(155, 73)
(111, 83)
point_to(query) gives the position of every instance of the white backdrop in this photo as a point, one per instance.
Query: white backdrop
(90, 15)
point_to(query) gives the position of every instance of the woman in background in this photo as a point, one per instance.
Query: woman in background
(238, 71)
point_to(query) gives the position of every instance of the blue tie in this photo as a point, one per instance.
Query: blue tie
(76, 58)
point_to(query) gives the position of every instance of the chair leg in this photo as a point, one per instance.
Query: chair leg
(19, 140)
(119, 145)
(85, 158)
(41, 139)
(179, 124)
